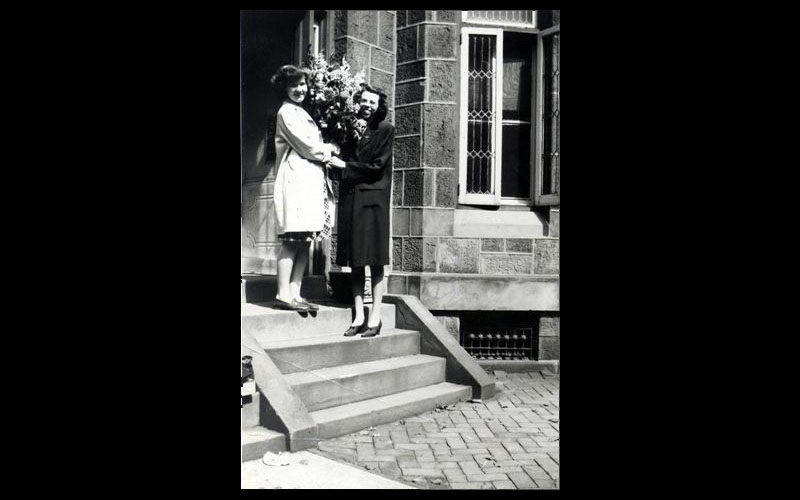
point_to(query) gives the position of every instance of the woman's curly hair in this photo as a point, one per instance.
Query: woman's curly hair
(383, 109)
(285, 76)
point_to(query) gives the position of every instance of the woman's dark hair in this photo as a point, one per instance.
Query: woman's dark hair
(383, 109)
(285, 76)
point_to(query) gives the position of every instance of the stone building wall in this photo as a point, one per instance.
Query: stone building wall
(366, 38)
(426, 155)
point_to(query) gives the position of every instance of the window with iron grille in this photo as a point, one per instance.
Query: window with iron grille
(509, 113)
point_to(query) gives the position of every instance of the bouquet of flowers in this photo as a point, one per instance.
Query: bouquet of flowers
(330, 102)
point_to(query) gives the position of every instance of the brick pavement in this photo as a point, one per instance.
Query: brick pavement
(507, 442)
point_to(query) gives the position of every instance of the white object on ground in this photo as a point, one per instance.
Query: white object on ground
(305, 470)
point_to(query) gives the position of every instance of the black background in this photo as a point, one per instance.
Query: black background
(147, 130)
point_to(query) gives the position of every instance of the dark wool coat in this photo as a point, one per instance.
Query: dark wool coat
(365, 194)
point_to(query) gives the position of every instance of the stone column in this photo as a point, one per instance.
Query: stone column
(426, 145)
(366, 38)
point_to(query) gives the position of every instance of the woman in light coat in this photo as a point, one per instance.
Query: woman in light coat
(304, 203)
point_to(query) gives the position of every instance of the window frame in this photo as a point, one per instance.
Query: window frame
(495, 198)
(539, 198)
(492, 198)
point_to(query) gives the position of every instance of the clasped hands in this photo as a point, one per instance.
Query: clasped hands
(336, 162)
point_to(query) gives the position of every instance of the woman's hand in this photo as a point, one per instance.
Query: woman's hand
(336, 149)
(336, 162)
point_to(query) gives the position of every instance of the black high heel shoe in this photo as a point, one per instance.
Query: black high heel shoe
(355, 329)
(371, 332)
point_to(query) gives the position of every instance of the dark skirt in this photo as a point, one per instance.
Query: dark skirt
(364, 232)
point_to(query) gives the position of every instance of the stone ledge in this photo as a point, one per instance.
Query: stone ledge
(479, 292)
(496, 224)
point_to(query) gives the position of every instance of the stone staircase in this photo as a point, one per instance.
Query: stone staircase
(346, 383)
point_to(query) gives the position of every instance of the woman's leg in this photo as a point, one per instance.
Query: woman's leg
(286, 257)
(377, 295)
(300, 263)
(358, 294)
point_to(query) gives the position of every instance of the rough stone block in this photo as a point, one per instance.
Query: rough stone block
(492, 245)
(446, 188)
(410, 92)
(438, 40)
(555, 223)
(412, 254)
(439, 136)
(357, 54)
(340, 23)
(437, 221)
(397, 284)
(401, 18)
(383, 60)
(429, 255)
(397, 253)
(414, 285)
(458, 255)
(400, 219)
(397, 189)
(418, 16)
(407, 45)
(545, 256)
(506, 264)
(549, 326)
(549, 348)
(443, 81)
(415, 224)
(447, 16)
(407, 120)
(522, 245)
(363, 24)
(406, 152)
(411, 71)
(418, 189)
(383, 81)
(332, 249)
(386, 30)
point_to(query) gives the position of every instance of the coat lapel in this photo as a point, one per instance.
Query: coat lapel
(362, 144)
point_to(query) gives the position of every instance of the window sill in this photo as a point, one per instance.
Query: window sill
(497, 223)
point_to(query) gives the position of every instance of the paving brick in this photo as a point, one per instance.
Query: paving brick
(521, 480)
(536, 472)
(464, 485)
(399, 437)
(427, 472)
(393, 452)
(502, 470)
(412, 446)
(470, 467)
(487, 477)
(456, 443)
(513, 448)
(544, 484)
(504, 485)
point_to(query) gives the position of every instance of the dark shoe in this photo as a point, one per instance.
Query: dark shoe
(355, 330)
(289, 306)
(371, 332)
(309, 305)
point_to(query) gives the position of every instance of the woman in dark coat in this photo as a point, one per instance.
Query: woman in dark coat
(365, 200)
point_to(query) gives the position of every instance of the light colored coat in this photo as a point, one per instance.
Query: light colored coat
(301, 183)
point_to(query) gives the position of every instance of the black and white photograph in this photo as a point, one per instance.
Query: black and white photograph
(400, 249)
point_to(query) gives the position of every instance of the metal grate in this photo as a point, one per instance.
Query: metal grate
(480, 113)
(505, 17)
(499, 343)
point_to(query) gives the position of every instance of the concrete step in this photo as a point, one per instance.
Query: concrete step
(258, 440)
(345, 419)
(266, 324)
(263, 288)
(341, 385)
(297, 355)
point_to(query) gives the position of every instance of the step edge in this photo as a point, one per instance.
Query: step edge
(414, 360)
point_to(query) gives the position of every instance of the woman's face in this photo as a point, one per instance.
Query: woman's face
(297, 90)
(368, 103)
